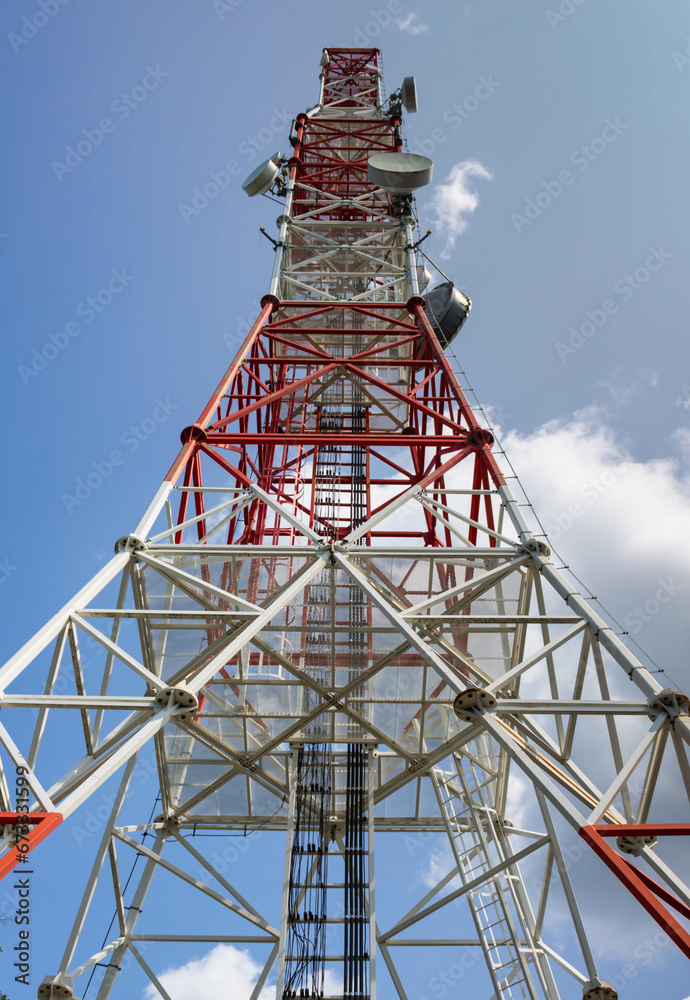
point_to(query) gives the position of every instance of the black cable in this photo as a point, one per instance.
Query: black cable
(306, 938)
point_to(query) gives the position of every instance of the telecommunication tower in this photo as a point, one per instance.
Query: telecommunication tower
(334, 623)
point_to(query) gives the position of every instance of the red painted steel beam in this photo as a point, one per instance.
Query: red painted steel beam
(660, 891)
(276, 369)
(418, 306)
(42, 823)
(402, 397)
(213, 403)
(348, 304)
(275, 396)
(395, 439)
(640, 885)
(643, 829)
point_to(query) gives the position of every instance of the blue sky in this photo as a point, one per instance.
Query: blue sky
(575, 254)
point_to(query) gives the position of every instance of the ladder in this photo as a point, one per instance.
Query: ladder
(494, 904)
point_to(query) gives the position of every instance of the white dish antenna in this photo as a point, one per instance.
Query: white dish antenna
(423, 277)
(399, 173)
(261, 179)
(408, 94)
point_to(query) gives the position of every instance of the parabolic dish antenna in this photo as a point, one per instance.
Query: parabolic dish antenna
(261, 179)
(408, 94)
(399, 173)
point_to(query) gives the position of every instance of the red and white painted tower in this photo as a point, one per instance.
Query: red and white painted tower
(335, 625)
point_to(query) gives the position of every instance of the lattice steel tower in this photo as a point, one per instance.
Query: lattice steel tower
(334, 624)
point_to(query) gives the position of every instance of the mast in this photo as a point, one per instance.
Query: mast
(334, 625)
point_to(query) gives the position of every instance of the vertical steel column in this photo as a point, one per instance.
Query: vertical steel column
(134, 911)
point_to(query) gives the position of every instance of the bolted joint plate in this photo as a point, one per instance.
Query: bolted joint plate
(195, 432)
(673, 703)
(471, 701)
(535, 548)
(248, 763)
(187, 702)
(479, 438)
(635, 845)
(418, 764)
(599, 991)
(53, 987)
(130, 543)
(171, 823)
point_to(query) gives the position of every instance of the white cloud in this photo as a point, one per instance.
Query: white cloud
(411, 25)
(622, 388)
(617, 517)
(223, 968)
(684, 401)
(621, 523)
(453, 201)
(516, 809)
(682, 439)
(436, 866)
(332, 984)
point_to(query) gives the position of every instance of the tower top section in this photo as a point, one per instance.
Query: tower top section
(346, 232)
(350, 82)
